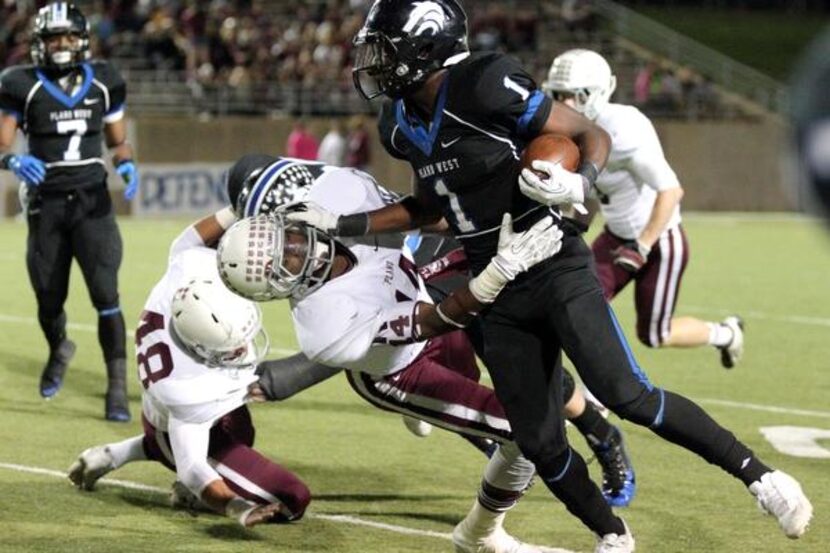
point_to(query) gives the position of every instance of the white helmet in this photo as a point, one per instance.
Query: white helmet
(585, 75)
(268, 257)
(215, 326)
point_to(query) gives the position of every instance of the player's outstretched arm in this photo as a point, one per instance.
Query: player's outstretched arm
(517, 252)
(204, 232)
(280, 379)
(410, 213)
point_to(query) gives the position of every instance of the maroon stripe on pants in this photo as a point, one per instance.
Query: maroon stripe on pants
(445, 386)
(613, 278)
(648, 282)
(271, 477)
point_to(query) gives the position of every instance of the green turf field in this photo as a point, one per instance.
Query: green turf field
(379, 489)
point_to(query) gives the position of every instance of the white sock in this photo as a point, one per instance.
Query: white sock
(127, 451)
(720, 335)
(481, 521)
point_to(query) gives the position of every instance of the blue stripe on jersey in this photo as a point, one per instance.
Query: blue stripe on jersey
(262, 184)
(533, 104)
(635, 368)
(413, 127)
(59, 95)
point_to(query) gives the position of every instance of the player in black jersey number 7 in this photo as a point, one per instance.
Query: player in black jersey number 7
(66, 104)
(461, 121)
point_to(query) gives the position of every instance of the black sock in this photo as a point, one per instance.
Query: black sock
(593, 426)
(112, 336)
(686, 424)
(574, 488)
(54, 328)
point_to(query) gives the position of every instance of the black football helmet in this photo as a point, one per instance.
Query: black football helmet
(259, 184)
(59, 18)
(403, 41)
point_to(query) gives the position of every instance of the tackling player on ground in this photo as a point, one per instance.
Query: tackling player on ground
(639, 197)
(66, 105)
(198, 345)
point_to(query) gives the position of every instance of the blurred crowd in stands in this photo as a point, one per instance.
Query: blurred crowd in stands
(296, 53)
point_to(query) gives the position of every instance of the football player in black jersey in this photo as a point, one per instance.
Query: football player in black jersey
(461, 121)
(67, 105)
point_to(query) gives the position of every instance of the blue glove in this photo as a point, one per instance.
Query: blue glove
(27, 168)
(128, 172)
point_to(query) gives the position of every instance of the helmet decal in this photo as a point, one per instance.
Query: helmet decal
(426, 16)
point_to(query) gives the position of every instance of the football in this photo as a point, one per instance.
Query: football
(552, 147)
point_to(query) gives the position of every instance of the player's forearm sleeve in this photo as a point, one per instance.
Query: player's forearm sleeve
(283, 378)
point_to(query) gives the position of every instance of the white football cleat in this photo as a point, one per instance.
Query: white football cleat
(497, 541)
(616, 543)
(731, 353)
(780, 495)
(90, 465)
(418, 427)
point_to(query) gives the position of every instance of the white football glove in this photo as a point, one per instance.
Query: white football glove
(560, 186)
(517, 252)
(312, 214)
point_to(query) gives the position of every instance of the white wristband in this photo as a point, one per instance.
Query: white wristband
(487, 285)
(225, 217)
(239, 509)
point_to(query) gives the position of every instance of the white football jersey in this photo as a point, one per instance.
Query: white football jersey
(174, 383)
(636, 170)
(362, 319)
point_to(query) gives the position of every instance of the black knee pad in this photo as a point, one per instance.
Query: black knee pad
(568, 386)
(646, 409)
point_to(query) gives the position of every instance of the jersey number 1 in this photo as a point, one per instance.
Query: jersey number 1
(77, 128)
(464, 224)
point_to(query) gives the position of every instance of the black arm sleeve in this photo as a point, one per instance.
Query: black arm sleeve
(282, 378)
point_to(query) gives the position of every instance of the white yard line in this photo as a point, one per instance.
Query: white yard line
(343, 519)
(795, 319)
(486, 377)
(765, 408)
(83, 327)
(750, 217)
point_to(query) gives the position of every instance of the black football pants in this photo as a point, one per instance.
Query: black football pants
(79, 224)
(558, 306)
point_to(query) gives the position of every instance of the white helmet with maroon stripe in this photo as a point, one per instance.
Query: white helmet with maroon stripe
(267, 257)
(216, 326)
(584, 75)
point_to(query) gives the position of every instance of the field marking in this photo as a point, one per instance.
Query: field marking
(344, 519)
(766, 408)
(750, 217)
(485, 376)
(83, 327)
(797, 319)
